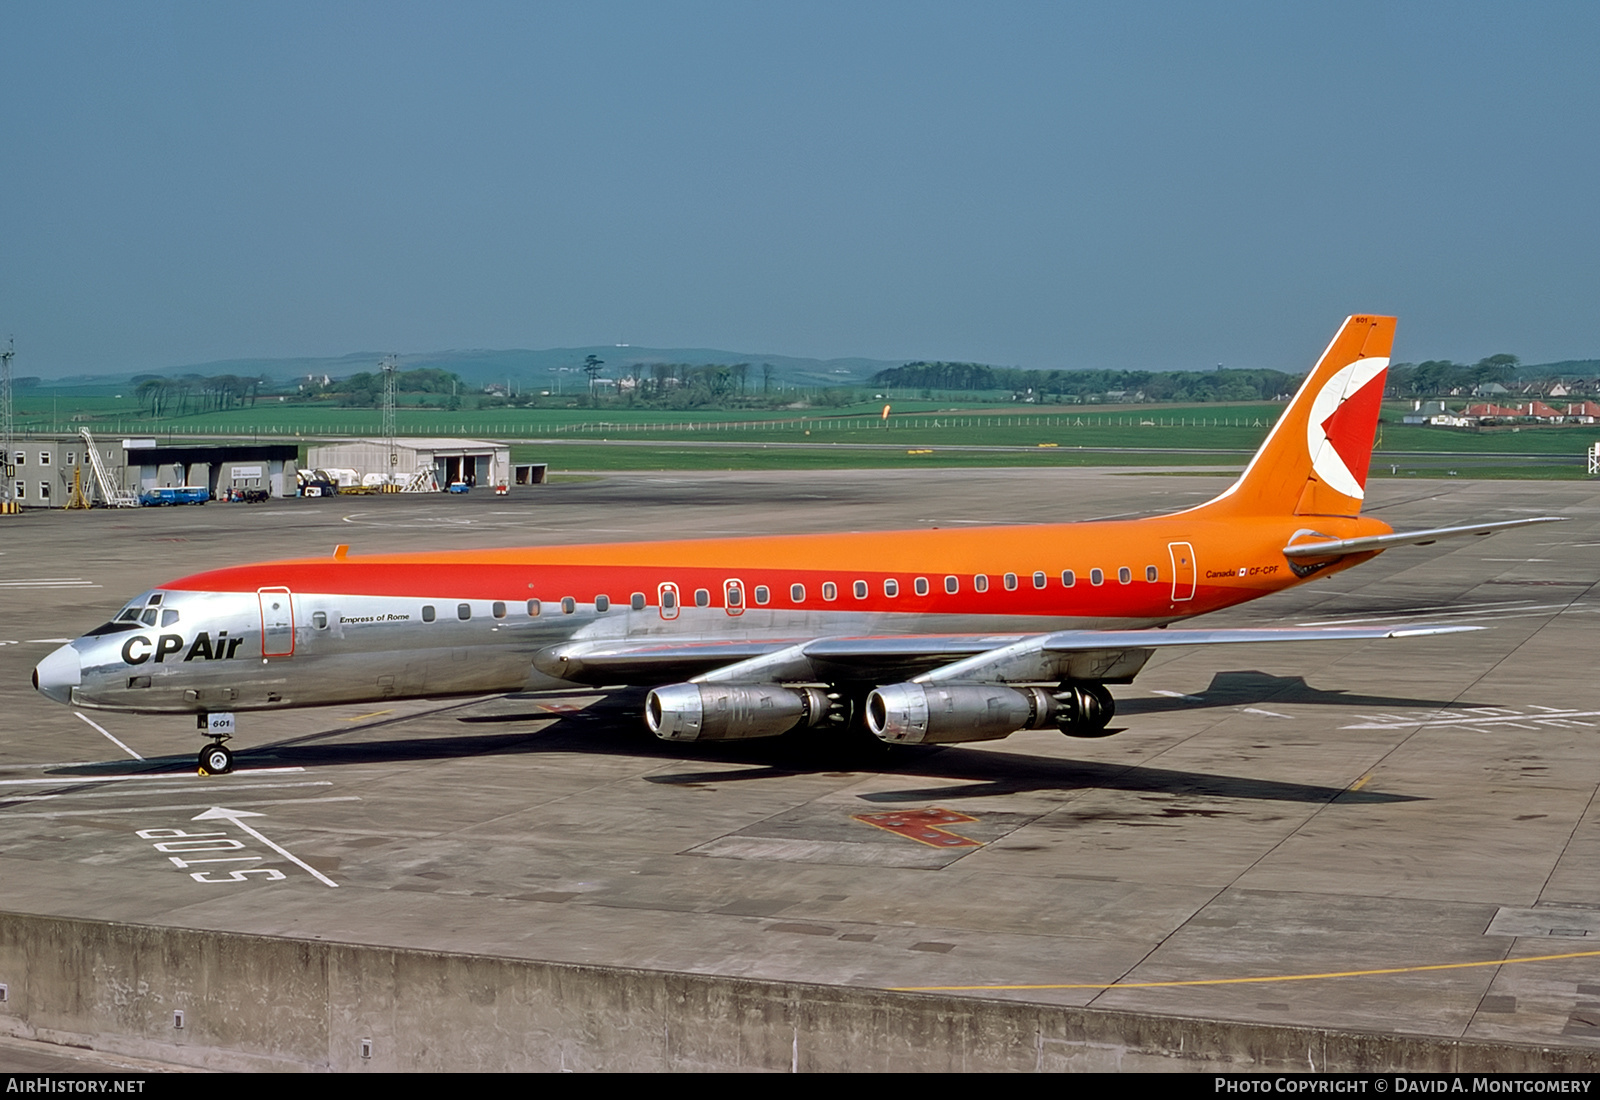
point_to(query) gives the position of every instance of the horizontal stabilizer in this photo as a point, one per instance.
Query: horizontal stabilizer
(1338, 548)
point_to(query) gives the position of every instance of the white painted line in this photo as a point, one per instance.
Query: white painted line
(1503, 613)
(1268, 713)
(49, 584)
(140, 792)
(48, 641)
(219, 813)
(183, 806)
(107, 732)
(165, 777)
(1494, 717)
(1179, 695)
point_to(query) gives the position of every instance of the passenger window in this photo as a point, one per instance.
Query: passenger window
(1124, 575)
(732, 595)
(498, 609)
(830, 591)
(1068, 578)
(568, 605)
(463, 611)
(797, 593)
(636, 601)
(1039, 580)
(319, 619)
(427, 613)
(533, 609)
(1096, 577)
(980, 583)
(669, 599)
(891, 588)
(1011, 582)
(602, 604)
(702, 597)
(763, 594)
(921, 586)
(952, 585)
(860, 588)
(1150, 573)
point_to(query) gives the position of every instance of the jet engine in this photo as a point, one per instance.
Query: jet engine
(732, 712)
(943, 714)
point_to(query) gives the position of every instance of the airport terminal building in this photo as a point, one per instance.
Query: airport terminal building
(41, 468)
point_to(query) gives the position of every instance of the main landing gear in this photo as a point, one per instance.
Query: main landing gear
(215, 758)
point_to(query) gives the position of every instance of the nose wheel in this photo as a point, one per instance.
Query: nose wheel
(215, 759)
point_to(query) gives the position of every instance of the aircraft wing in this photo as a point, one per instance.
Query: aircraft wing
(1101, 655)
(1338, 548)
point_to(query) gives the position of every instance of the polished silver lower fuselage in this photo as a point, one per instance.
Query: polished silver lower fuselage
(222, 653)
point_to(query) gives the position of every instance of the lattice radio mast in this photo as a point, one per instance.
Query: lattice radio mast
(391, 367)
(7, 430)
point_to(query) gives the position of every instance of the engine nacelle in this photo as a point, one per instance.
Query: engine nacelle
(732, 712)
(1086, 710)
(944, 714)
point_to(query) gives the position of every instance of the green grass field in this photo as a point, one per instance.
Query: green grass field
(917, 433)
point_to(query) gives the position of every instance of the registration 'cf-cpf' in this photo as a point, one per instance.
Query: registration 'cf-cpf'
(928, 636)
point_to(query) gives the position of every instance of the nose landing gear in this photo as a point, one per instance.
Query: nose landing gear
(215, 758)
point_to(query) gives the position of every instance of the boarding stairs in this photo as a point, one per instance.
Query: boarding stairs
(111, 495)
(423, 481)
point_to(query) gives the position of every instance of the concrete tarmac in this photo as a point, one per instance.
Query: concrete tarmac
(1363, 836)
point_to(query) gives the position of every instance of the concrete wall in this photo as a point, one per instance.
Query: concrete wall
(255, 1002)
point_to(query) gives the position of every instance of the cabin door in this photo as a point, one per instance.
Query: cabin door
(277, 622)
(1182, 570)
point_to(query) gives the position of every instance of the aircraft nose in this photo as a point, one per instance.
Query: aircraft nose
(58, 674)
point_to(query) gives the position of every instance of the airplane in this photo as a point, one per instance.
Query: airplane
(917, 637)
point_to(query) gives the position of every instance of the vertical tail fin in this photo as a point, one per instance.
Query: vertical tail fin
(1314, 461)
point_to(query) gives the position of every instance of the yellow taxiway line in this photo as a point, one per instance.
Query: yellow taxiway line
(1243, 981)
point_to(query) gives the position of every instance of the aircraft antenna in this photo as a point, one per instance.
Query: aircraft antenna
(391, 367)
(7, 429)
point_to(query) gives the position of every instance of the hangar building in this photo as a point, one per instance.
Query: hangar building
(479, 462)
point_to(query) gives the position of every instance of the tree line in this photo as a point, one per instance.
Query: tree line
(1078, 385)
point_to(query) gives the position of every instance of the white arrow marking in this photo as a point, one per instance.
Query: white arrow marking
(219, 813)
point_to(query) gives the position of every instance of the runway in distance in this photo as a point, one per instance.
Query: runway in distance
(926, 636)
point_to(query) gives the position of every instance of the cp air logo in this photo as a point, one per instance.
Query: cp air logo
(139, 649)
(1340, 426)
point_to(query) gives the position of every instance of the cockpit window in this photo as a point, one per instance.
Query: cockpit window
(149, 616)
(131, 615)
(168, 617)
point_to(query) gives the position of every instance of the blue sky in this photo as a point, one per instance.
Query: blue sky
(1127, 185)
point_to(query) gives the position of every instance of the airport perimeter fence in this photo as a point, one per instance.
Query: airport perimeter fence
(603, 428)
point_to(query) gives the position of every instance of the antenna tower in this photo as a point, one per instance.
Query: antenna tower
(391, 367)
(7, 430)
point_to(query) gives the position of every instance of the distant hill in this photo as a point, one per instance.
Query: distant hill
(527, 368)
(1567, 368)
